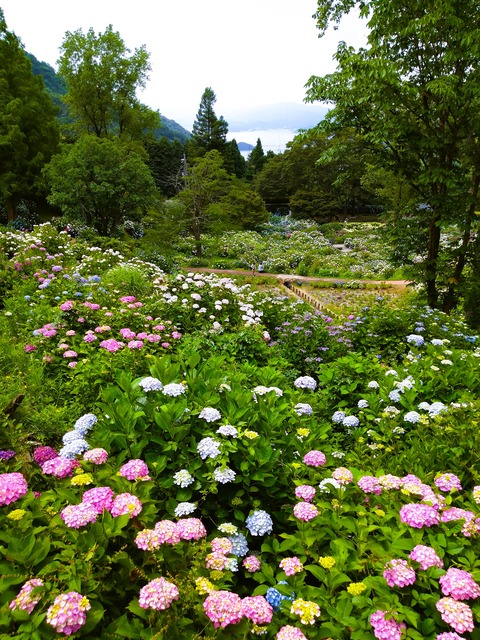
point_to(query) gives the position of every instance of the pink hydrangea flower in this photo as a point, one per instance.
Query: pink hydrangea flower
(456, 614)
(419, 515)
(290, 633)
(191, 529)
(370, 484)
(251, 564)
(134, 470)
(223, 608)
(111, 345)
(257, 609)
(291, 566)
(386, 628)
(70, 353)
(455, 513)
(448, 482)
(101, 498)
(67, 613)
(221, 545)
(158, 594)
(25, 600)
(216, 561)
(78, 515)
(12, 487)
(169, 532)
(58, 467)
(135, 344)
(397, 573)
(342, 475)
(449, 635)
(42, 454)
(67, 305)
(314, 458)
(305, 492)
(426, 556)
(305, 511)
(127, 334)
(126, 503)
(459, 585)
(97, 456)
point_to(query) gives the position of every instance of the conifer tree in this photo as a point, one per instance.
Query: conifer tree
(209, 132)
(255, 160)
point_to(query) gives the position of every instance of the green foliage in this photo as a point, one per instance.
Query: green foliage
(414, 104)
(101, 181)
(102, 80)
(29, 131)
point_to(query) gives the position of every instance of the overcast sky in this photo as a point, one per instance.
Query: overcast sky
(250, 52)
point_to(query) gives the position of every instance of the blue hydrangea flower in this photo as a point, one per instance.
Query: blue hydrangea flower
(239, 545)
(415, 339)
(306, 382)
(259, 523)
(394, 395)
(303, 409)
(338, 416)
(275, 598)
(74, 448)
(412, 416)
(350, 421)
(362, 404)
(85, 423)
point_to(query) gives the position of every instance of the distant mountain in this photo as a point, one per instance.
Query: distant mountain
(55, 86)
(244, 146)
(283, 115)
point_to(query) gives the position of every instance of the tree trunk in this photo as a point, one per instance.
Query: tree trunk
(432, 258)
(451, 297)
(11, 212)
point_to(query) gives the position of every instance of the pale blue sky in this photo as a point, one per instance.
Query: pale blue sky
(251, 52)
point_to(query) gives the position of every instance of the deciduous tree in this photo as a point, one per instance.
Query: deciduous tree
(413, 97)
(102, 80)
(100, 181)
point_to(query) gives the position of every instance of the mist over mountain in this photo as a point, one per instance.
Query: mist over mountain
(283, 115)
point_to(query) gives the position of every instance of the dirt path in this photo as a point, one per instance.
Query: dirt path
(282, 277)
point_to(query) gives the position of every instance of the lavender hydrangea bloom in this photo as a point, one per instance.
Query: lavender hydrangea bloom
(210, 414)
(415, 339)
(259, 523)
(150, 384)
(338, 416)
(224, 475)
(306, 382)
(85, 423)
(350, 421)
(412, 416)
(74, 448)
(303, 409)
(208, 448)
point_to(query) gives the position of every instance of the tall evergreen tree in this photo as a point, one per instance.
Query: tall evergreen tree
(28, 126)
(209, 133)
(255, 160)
(234, 161)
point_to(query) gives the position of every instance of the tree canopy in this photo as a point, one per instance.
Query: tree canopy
(29, 131)
(412, 97)
(102, 79)
(100, 181)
